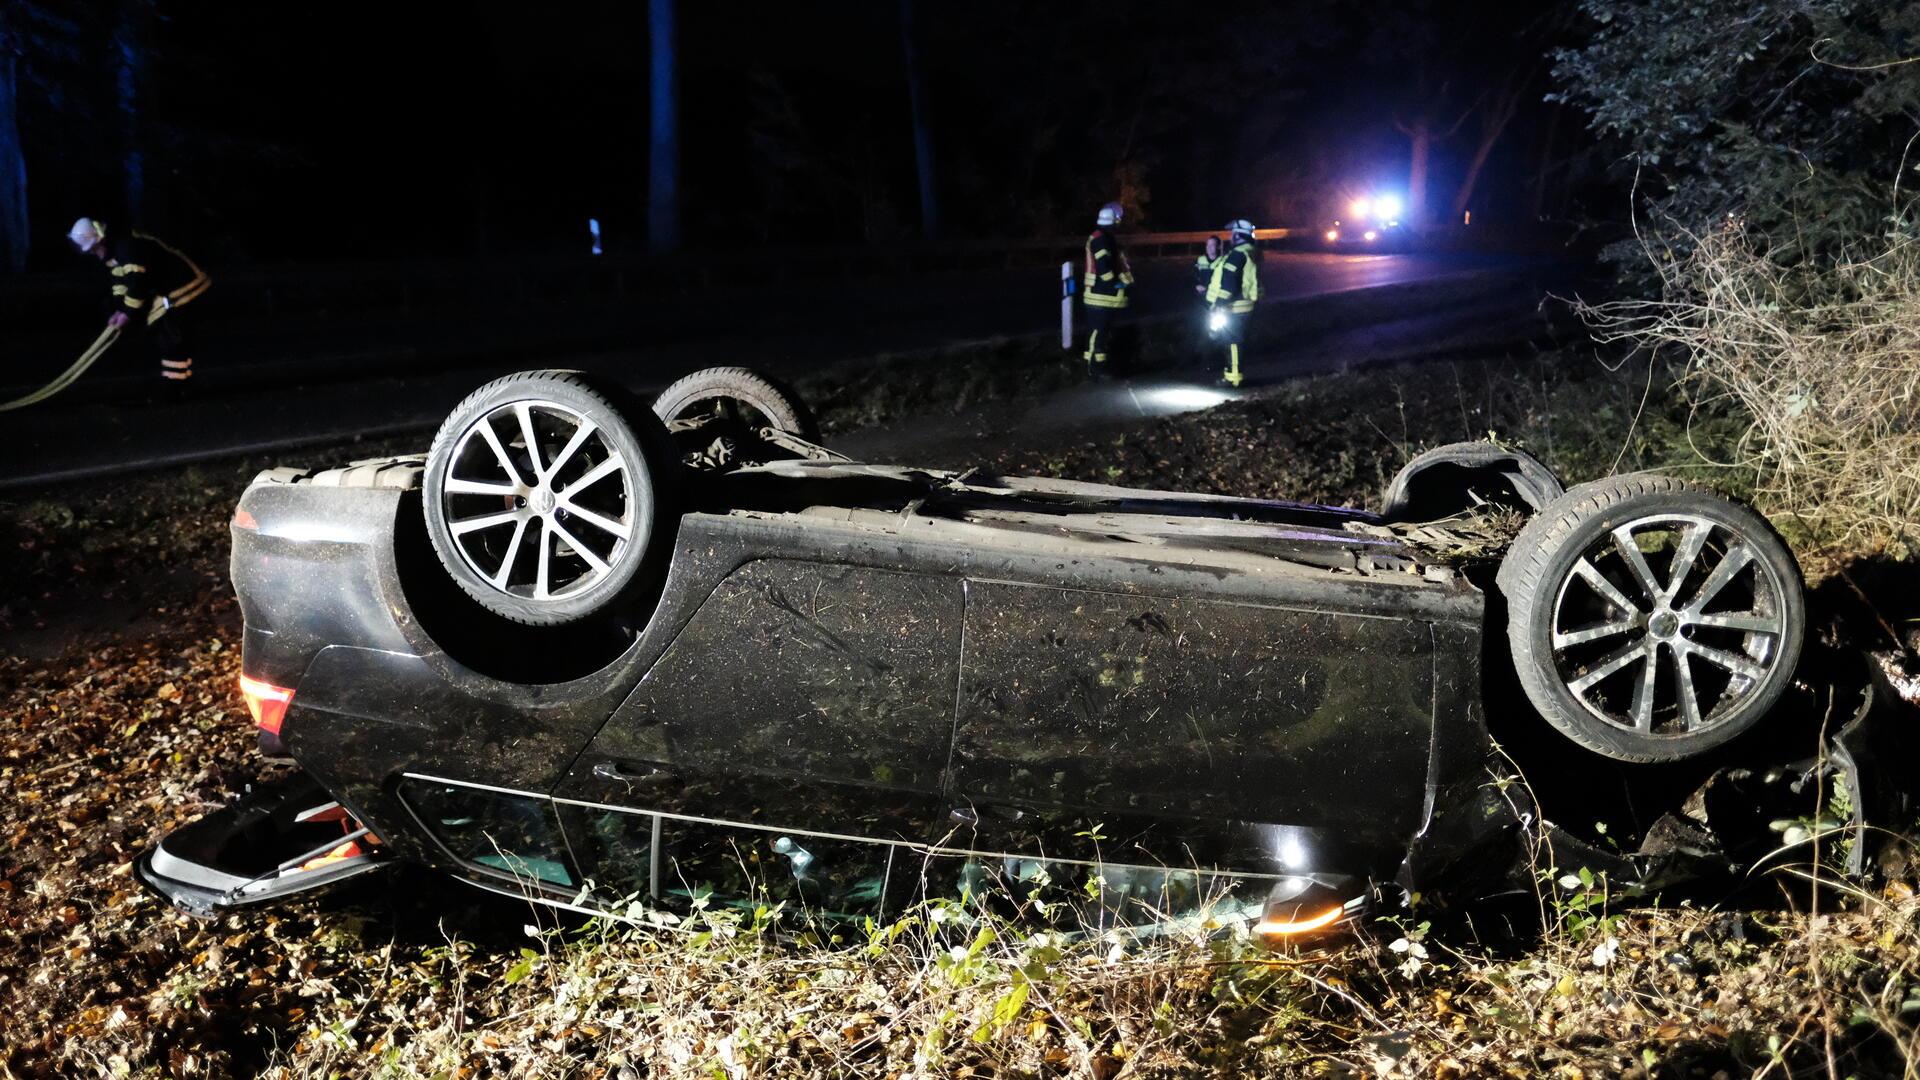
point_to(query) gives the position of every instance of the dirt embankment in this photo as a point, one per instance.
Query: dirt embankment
(119, 720)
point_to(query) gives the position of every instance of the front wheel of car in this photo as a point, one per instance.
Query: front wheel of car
(1649, 619)
(544, 496)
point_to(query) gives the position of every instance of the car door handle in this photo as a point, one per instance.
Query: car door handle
(645, 774)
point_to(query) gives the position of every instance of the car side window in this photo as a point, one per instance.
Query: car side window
(515, 836)
(618, 851)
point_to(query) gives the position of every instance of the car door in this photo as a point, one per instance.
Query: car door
(1138, 732)
(788, 743)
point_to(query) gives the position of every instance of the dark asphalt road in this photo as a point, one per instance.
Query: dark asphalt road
(256, 389)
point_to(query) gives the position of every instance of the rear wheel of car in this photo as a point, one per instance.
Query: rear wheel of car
(1650, 619)
(737, 396)
(544, 496)
(1462, 476)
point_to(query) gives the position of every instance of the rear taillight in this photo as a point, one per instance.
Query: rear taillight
(267, 702)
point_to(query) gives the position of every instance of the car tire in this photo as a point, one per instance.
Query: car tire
(554, 535)
(1454, 478)
(1649, 619)
(740, 388)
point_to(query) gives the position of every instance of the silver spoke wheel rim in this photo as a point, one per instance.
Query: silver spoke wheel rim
(540, 503)
(1668, 625)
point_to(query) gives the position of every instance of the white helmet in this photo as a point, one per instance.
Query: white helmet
(86, 233)
(1110, 214)
(1240, 227)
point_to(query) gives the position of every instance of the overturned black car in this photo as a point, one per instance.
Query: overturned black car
(593, 656)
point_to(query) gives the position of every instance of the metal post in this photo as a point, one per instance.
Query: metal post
(1066, 305)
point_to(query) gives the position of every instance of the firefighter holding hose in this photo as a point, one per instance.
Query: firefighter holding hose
(143, 298)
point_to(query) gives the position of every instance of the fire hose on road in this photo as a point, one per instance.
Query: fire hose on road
(185, 294)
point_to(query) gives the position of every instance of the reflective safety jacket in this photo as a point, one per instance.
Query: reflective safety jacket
(1108, 273)
(1236, 279)
(1203, 271)
(139, 270)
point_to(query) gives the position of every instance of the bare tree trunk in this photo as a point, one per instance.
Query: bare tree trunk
(129, 79)
(13, 161)
(1422, 133)
(1493, 124)
(1465, 194)
(663, 132)
(922, 134)
(1420, 139)
(1543, 165)
(1468, 182)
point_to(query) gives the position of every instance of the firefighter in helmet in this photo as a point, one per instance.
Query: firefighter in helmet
(136, 264)
(1203, 273)
(1103, 292)
(1232, 290)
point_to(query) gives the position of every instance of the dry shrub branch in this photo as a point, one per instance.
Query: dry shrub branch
(1823, 361)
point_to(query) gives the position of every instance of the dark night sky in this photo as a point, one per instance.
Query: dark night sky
(364, 131)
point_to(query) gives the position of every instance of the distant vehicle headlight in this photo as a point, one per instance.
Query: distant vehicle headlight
(1371, 235)
(1332, 235)
(1216, 320)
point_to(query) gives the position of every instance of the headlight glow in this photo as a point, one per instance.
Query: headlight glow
(1386, 207)
(1332, 235)
(1371, 235)
(1182, 398)
(1216, 320)
(1360, 207)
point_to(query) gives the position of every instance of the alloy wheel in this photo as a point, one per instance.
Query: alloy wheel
(539, 501)
(1668, 624)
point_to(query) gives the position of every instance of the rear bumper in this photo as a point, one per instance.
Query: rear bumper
(280, 839)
